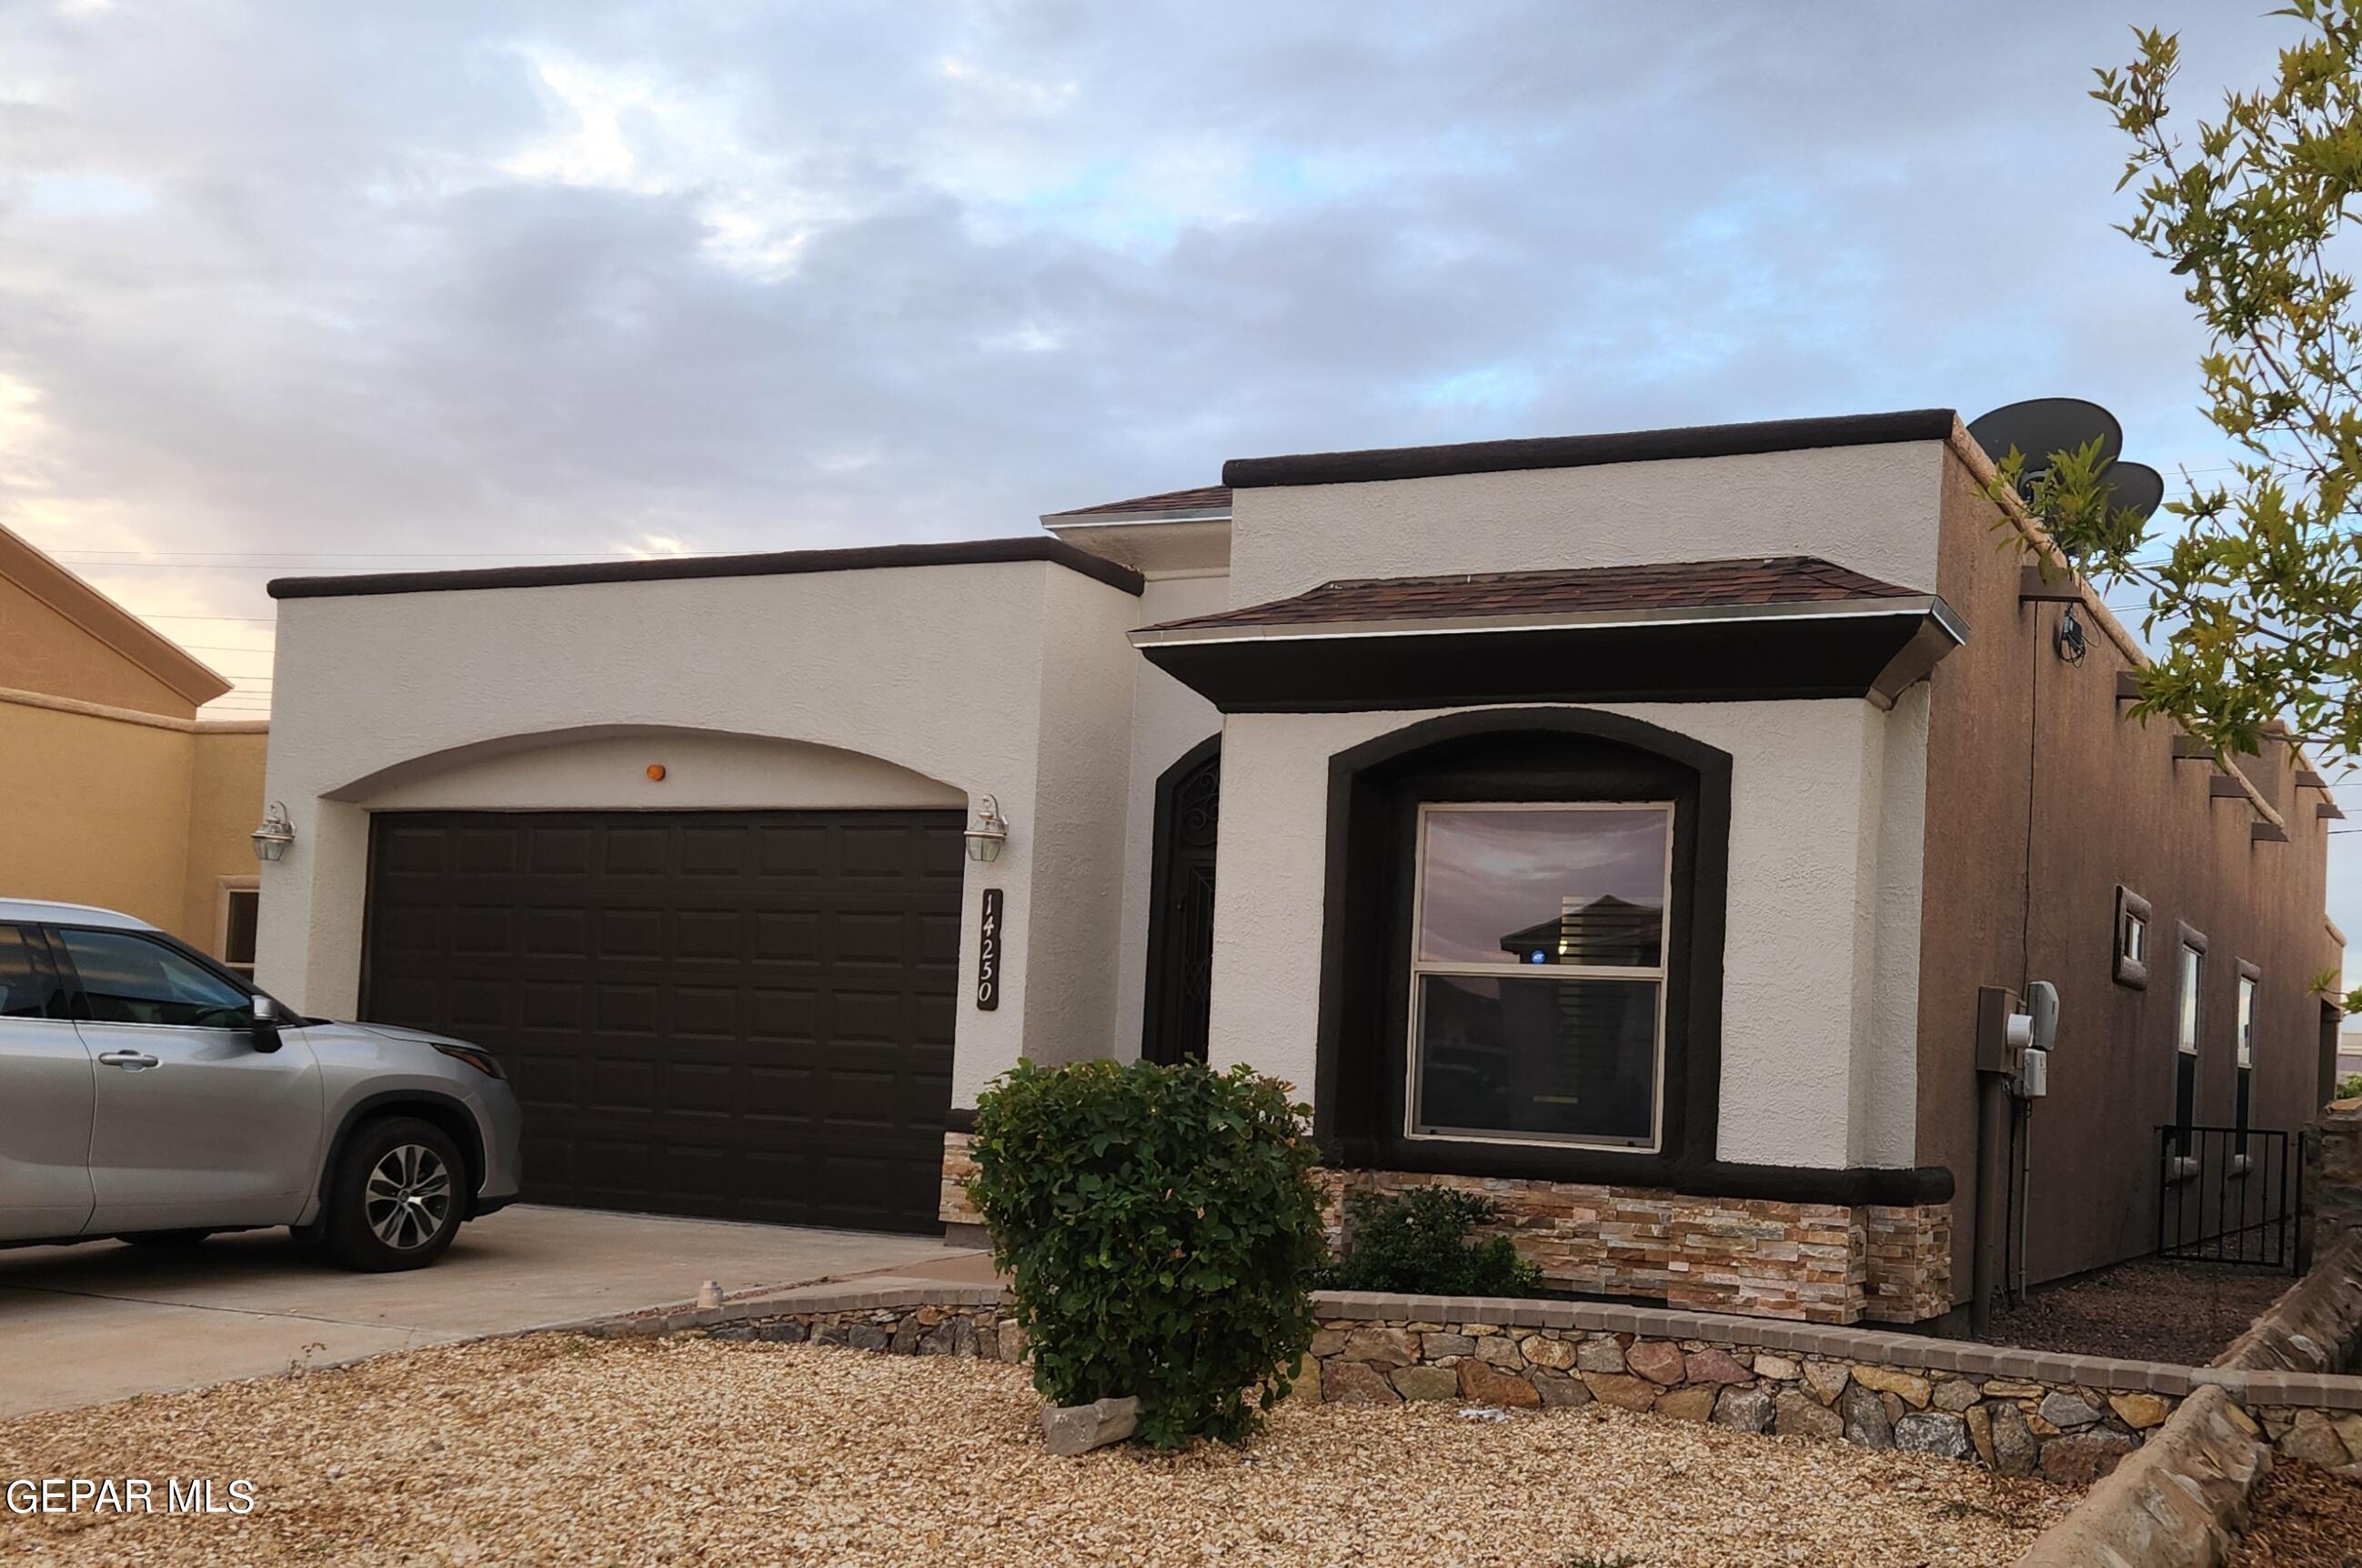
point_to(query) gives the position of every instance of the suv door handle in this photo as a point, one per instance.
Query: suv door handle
(129, 1061)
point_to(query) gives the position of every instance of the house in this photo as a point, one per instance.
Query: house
(117, 794)
(1625, 823)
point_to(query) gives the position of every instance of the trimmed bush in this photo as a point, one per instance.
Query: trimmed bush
(1160, 1226)
(1421, 1245)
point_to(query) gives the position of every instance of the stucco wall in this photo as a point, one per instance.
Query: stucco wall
(935, 670)
(1871, 508)
(1167, 719)
(225, 804)
(97, 811)
(44, 651)
(2017, 894)
(1815, 1015)
(604, 767)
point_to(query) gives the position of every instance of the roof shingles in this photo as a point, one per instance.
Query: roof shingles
(1205, 498)
(1676, 585)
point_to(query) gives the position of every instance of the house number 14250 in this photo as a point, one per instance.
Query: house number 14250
(988, 953)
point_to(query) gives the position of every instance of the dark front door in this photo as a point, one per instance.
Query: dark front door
(1181, 919)
(738, 1014)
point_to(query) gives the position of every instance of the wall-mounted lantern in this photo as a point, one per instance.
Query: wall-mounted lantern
(271, 839)
(988, 834)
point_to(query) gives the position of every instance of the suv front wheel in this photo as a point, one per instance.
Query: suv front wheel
(398, 1196)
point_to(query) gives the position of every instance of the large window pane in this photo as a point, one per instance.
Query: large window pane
(1537, 1058)
(1551, 885)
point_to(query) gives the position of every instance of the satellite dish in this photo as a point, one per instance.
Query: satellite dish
(2134, 485)
(2042, 425)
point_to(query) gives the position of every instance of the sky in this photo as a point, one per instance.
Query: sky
(342, 286)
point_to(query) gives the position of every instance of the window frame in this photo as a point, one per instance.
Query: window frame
(2132, 969)
(232, 888)
(1420, 969)
(2189, 1010)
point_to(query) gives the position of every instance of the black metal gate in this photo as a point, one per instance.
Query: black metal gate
(2229, 1195)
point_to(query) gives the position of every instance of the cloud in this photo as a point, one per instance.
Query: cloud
(594, 277)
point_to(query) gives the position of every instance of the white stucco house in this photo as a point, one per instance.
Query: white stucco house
(1624, 822)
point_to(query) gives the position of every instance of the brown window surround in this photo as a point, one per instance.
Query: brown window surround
(1540, 755)
(2132, 970)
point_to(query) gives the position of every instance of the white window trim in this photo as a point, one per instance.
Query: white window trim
(224, 888)
(2189, 1001)
(2246, 1024)
(1419, 969)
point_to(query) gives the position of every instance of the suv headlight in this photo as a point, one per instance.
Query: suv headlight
(483, 1062)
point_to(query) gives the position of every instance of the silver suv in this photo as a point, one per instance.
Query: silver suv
(147, 1093)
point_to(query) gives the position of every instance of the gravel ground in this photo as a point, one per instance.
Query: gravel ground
(2147, 1310)
(560, 1450)
(2304, 1517)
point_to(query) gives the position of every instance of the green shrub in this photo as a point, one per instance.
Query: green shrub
(1161, 1227)
(1419, 1244)
(2350, 1087)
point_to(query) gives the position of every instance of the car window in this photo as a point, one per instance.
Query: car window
(127, 978)
(26, 988)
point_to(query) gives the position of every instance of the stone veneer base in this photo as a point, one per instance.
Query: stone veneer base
(1811, 1261)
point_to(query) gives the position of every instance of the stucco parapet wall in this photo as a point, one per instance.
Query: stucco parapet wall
(668, 569)
(2179, 1501)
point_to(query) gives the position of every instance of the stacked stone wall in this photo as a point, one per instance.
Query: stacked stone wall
(1806, 1262)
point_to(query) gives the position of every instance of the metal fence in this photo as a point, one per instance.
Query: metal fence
(2229, 1195)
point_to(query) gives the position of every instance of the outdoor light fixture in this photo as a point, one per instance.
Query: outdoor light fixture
(989, 833)
(271, 839)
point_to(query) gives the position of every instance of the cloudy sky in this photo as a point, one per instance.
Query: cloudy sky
(342, 286)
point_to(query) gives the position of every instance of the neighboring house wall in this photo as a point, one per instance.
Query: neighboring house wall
(117, 795)
(225, 804)
(98, 811)
(128, 810)
(942, 672)
(2110, 806)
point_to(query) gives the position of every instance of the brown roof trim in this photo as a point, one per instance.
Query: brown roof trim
(1584, 451)
(776, 563)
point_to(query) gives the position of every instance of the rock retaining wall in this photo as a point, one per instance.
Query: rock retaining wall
(2072, 1418)
(1811, 1263)
(2315, 1326)
(2178, 1503)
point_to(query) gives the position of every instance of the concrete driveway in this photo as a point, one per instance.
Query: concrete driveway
(102, 1321)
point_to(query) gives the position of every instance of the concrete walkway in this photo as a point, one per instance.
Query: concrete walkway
(84, 1325)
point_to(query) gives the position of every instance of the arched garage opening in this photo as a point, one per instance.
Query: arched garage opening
(721, 970)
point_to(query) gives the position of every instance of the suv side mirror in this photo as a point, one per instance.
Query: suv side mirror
(266, 1024)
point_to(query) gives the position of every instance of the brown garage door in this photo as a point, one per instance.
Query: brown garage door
(740, 1014)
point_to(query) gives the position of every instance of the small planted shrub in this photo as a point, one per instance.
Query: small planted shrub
(1161, 1227)
(1421, 1244)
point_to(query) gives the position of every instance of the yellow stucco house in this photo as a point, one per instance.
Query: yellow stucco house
(112, 791)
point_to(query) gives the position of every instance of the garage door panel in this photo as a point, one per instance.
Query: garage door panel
(634, 851)
(736, 1014)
